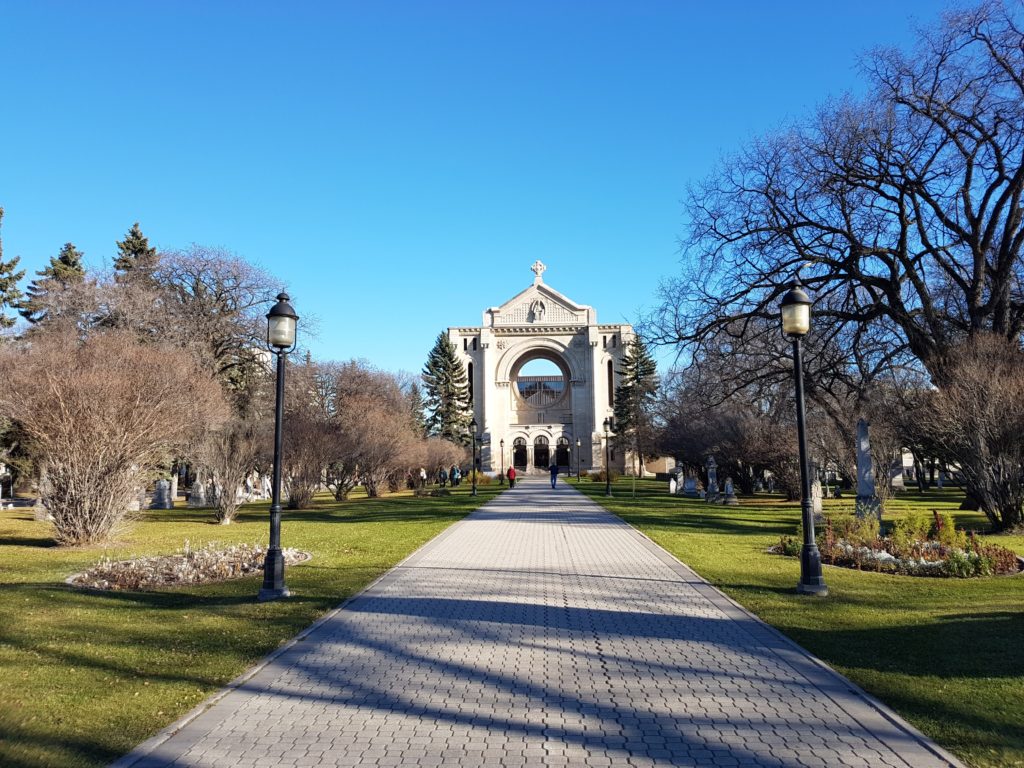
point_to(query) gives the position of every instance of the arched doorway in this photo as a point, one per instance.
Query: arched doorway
(562, 452)
(541, 452)
(519, 453)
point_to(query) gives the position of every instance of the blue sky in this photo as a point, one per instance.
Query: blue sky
(400, 165)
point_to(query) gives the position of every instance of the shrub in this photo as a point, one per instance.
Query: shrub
(599, 476)
(482, 478)
(909, 530)
(102, 413)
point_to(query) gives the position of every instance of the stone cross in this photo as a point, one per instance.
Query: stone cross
(538, 270)
(867, 500)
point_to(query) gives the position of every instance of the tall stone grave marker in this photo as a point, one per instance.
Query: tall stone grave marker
(711, 494)
(730, 493)
(867, 500)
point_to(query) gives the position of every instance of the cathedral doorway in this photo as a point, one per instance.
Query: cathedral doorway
(519, 459)
(541, 452)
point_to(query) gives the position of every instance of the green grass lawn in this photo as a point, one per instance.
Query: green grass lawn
(86, 676)
(946, 654)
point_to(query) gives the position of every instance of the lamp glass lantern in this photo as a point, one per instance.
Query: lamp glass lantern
(281, 324)
(796, 312)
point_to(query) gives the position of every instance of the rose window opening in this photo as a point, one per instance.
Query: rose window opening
(540, 383)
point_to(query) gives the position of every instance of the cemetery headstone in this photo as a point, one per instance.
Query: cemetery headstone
(730, 493)
(197, 495)
(867, 500)
(711, 494)
(162, 495)
(690, 487)
(816, 496)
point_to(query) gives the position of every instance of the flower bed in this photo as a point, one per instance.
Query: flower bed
(918, 545)
(189, 566)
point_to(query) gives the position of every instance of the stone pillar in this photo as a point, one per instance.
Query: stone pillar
(867, 500)
(711, 494)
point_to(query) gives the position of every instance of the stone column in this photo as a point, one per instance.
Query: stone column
(867, 500)
(711, 494)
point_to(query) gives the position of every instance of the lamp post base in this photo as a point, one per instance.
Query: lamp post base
(266, 595)
(812, 589)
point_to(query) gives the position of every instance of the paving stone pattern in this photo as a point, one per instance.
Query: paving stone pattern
(542, 631)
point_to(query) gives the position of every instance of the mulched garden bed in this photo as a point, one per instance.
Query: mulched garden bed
(214, 562)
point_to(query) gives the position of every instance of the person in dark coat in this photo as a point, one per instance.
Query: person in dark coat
(553, 469)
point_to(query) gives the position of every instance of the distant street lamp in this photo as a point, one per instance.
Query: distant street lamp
(472, 430)
(281, 324)
(501, 474)
(607, 458)
(577, 461)
(796, 322)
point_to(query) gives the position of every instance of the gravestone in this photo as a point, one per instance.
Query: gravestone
(672, 485)
(940, 479)
(174, 486)
(867, 500)
(197, 494)
(690, 490)
(816, 496)
(730, 493)
(711, 494)
(896, 475)
(162, 495)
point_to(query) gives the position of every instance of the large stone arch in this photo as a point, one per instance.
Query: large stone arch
(521, 352)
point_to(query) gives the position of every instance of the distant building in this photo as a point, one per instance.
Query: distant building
(540, 417)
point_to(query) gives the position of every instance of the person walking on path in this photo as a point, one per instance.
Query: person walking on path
(442, 476)
(554, 474)
(455, 475)
(511, 474)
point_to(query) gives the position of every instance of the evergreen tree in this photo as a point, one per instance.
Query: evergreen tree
(635, 399)
(416, 409)
(447, 393)
(10, 296)
(135, 257)
(64, 270)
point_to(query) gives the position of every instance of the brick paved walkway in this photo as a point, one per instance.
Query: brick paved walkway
(541, 631)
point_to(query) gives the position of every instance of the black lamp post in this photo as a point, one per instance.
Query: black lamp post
(281, 323)
(472, 429)
(577, 461)
(796, 322)
(501, 475)
(607, 458)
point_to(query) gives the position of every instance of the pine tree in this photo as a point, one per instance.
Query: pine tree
(635, 398)
(416, 409)
(64, 270)
(447, 393)
(135, 257)
(10, 296)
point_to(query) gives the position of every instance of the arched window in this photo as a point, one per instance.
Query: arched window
(541, 452)
(469, 378)
(611, 385)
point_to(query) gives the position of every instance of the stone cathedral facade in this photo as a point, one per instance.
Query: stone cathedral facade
(540, 418)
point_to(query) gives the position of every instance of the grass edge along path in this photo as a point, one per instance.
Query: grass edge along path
(944, 653)
(90, 675)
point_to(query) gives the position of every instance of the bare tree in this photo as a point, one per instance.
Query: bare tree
(100, 415)
(229, 454)
(902, 211)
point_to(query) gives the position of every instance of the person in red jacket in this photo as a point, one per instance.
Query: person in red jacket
(511, 475)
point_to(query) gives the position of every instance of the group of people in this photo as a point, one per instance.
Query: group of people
(452, 475)
(511, 475)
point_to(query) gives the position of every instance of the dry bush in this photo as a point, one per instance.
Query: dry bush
(440, 453)
(100, 415)
(229, 454)
(977, 414)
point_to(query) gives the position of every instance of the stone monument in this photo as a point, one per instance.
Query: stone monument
(730, 493)
(867, 501)
(711, 494)
(162, 495)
